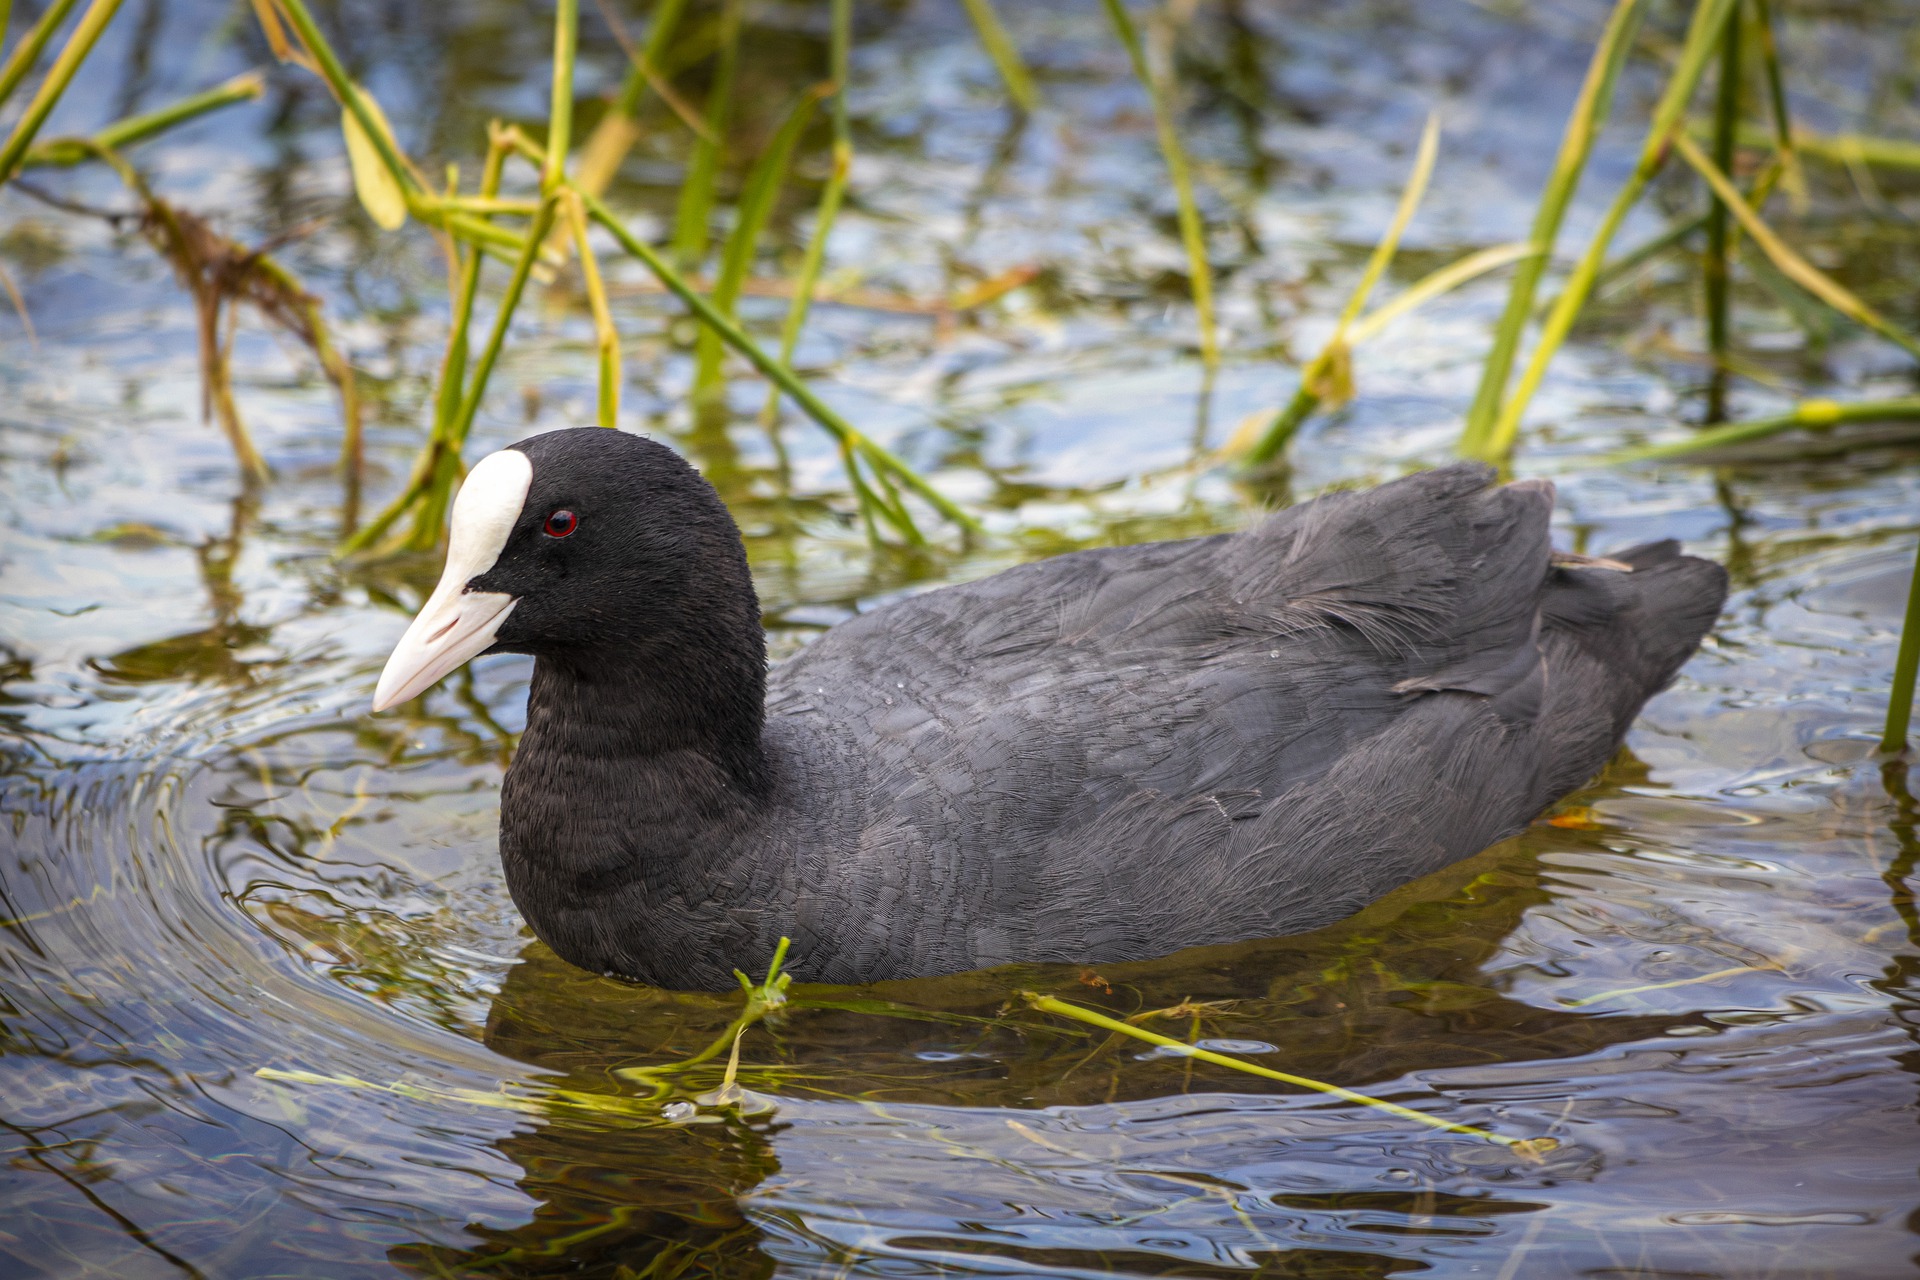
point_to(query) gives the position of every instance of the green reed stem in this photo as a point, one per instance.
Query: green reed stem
(59, 76)
(1703, 37)
(1589, 113)
(1332, 365)
(1640, 254)
(66, 152)
(437, 465)
(566, 41)
(1005, 54)
(31, 46)
(695, 211)
(1813, 415)
(633, 91)
(829, 209)
(1795, 175)
(1900, 709)
(1716, 268)
(750, 221)
(1786, 258)
(349, 94)
(1193, 233)
(1281, 428)
(1049, 1004)
(772, 369)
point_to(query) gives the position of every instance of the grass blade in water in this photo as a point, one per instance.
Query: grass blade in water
(755, 208)
(827, 212)
(1529, 1147)
(75, 52)
(1905, 667)
(1193, 233)
(1328, 376)
(31, 46)
(1813, 415)
(1703, 37)
(1589, 114)
(690, 219)
(775, 371)
(1782, 255)
(1005, 54)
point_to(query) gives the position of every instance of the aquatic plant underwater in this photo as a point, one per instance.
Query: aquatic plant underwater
(535, 220)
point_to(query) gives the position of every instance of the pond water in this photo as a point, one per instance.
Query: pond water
(1701, 974)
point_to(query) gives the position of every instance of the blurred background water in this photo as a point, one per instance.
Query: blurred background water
(1699, 974)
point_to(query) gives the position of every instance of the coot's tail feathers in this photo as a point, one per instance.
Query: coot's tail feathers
(1437, 568)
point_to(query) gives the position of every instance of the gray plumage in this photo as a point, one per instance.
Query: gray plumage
(1103, 756)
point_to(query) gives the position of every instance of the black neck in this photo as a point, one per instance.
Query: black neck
(654, 707)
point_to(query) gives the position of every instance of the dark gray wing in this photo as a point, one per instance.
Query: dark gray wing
(1120, 752)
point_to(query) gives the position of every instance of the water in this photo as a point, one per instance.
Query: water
(1698, 975)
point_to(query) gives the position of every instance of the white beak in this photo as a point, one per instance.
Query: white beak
(456, 624)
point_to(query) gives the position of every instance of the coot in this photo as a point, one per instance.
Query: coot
(1104, 756)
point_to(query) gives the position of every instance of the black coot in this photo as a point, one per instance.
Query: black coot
(1104, 756)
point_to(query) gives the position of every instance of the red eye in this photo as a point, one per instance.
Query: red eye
(561, 523)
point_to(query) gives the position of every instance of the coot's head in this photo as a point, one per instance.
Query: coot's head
(601, 552)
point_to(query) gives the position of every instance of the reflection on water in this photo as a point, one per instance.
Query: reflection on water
(1699, 974)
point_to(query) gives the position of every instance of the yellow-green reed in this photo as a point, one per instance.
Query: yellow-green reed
(1589, 113)
(1810, 415)
(691, 218)
(752, 213)
(1893, 739)
(876, 455)
(58, 77)
(1703, 39)
(1271, 438)
(1786, 258)
(566, 45)
(31, 46)
(1328, 376)
(1005, 54)
(1717, 266)
(1783, 140)
(124, 133)
(618, 129)
(1528, 1147)
(828, 210)
(1193, 233)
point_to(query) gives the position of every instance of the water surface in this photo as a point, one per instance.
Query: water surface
(1698, 974)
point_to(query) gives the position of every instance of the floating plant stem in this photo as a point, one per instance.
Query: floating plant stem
(1329, 375)
(1716, 268)
(1812, 415)
(1005, 54)
(690, 230)
(1589, 113)
(31, 46)
(1529, 1147)
(1783, 256)
(829, 208)
(59, 76)
(1900, 709)
(1703, 37)
(1193, 232)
